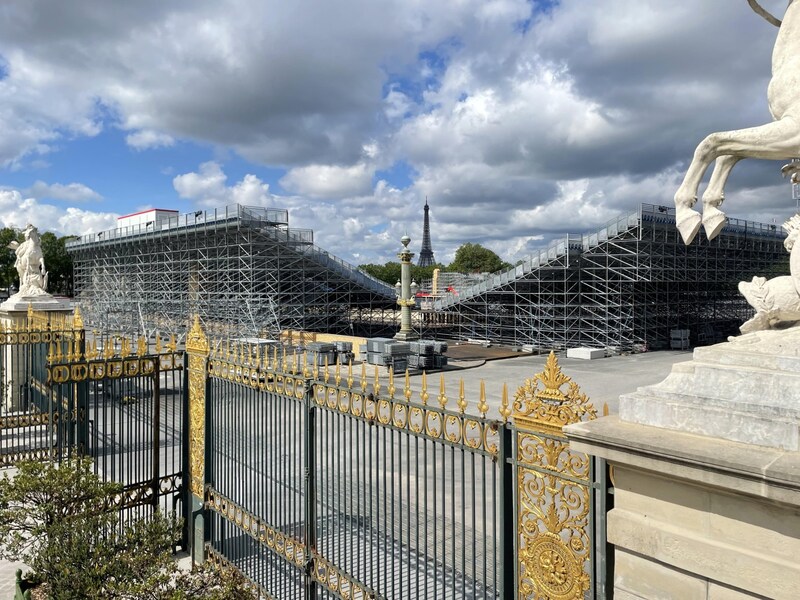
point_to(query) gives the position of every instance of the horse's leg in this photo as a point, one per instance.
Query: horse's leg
(687, 220)
(773, 141)
(713, 218)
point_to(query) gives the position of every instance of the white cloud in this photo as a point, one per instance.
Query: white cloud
(208, 188)
(517, 130)
(71, 192)
(147, 139)
(17, 211)
(329, 181)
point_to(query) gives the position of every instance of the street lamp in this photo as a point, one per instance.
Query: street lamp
(406, 292)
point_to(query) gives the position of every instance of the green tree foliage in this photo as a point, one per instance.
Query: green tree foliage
(57, 519)
(8, 274)
(474, 258)
(58, 263)
(389, 273)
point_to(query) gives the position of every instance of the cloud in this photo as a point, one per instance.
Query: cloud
(207, 188)
(17, 211)
(518, 122)
(147, 139)
(71, 192)
(329, 181)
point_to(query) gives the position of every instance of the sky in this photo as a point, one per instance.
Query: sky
(519, 121)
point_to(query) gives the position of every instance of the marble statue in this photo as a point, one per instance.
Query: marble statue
(778, 140)
(776, 300)
(30, 264)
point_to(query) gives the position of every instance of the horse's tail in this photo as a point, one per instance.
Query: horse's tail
(763, 13)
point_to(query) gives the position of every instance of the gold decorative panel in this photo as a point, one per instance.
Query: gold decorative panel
(553, 487)
(197, 348)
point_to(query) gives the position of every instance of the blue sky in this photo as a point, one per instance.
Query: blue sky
(520, 120)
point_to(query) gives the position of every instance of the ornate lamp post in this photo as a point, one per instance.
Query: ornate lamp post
(406, 292)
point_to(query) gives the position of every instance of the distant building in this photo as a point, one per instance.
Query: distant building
(426, 253)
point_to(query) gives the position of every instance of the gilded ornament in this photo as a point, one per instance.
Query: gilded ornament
(549, 407)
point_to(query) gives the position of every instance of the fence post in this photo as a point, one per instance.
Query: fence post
(508, 514)
(156, 428)
(311, 489)
(197, 351)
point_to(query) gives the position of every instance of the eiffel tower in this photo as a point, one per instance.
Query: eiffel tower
(426, 253)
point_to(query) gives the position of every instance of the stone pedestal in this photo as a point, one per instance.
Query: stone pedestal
(17, 357)
(706, 473)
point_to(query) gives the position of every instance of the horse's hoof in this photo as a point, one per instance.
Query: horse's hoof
(688, 222)
(713, 221)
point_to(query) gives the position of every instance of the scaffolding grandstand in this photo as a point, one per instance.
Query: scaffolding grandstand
(628, 286)
(241, 269)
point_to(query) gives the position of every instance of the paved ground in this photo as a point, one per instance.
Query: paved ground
(8, 572)
(602, 380)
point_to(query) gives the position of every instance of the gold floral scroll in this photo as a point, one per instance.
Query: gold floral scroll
(197, 348)
(553, 488)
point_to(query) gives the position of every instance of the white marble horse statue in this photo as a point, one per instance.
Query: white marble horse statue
(778, 140)
(30, 264)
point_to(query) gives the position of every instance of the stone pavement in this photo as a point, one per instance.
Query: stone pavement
(8, 578)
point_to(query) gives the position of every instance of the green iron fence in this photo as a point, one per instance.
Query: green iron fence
(322, 483)
(116, 400)
(319, 482)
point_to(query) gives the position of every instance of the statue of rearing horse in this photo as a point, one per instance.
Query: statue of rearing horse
(778, 140)
(30, 264)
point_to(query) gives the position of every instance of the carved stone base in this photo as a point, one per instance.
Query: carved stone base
(744, 390)
(44, 302)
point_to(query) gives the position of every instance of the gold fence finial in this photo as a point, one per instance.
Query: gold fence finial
(505, 409)
(407, 387)
(338, 375)
(442, 395)
(483, 408)
(350, 374)
(196, 339)
(462, 400)
(364, 378)
(376, 386)
(91, 349)
(424, 393)
(77, 319)
(390, 388)
(141, 346)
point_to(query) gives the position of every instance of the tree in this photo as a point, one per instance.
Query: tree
(57, 518)
(58, 263)
(8, 273)
(474, 258)
(388, 273)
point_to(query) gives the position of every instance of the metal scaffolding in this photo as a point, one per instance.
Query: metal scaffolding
(240, 268)
(626, 286)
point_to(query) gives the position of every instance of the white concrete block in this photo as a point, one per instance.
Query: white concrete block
(586, 353)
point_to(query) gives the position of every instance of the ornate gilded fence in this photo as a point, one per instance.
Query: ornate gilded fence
(34, 424)
(129, 397)
(333, 483)
(320, 482)
(118, 400)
